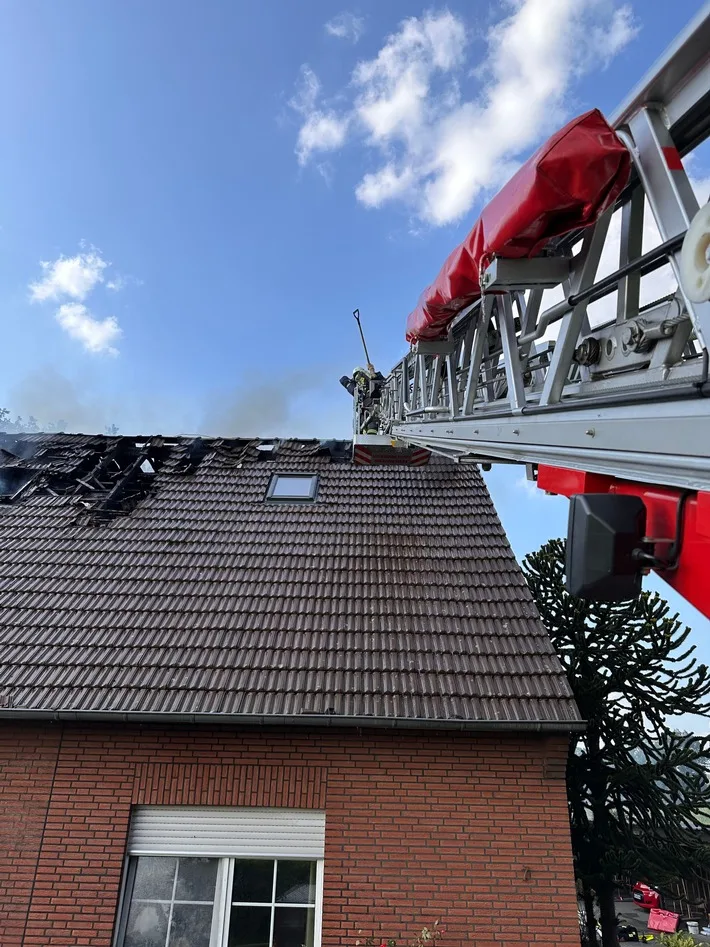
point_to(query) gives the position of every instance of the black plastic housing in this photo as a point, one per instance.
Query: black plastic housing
(604, 531)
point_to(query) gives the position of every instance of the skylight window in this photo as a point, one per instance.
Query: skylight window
(290, 487)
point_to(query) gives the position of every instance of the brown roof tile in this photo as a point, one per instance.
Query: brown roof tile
(394, 597)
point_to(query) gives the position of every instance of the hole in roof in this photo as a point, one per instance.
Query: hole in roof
(338, 450)
(13, 480)
(193, 455)
(147, 467)
(18, 446)
(52, 454)
(293, 486)
(267, 450)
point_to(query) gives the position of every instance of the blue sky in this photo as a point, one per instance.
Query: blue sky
(213, 187)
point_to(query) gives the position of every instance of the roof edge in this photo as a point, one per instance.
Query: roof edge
(300, 720)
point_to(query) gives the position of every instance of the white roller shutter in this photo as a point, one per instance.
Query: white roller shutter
(227, 832)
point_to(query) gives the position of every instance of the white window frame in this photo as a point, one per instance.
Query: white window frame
(226, 852)
(226, 902)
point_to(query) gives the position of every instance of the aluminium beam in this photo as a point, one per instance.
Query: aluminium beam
(664, 443)
(679, 81)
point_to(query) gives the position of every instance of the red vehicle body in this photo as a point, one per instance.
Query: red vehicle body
(645, 896)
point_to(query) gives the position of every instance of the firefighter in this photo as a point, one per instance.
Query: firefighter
(368, 385)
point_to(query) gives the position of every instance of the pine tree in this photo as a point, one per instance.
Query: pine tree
(636, 787)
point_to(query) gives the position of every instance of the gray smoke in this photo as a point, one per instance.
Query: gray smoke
(302, 403)
(50, 397)
(61, 403)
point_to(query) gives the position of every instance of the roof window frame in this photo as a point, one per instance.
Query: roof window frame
(296, 475)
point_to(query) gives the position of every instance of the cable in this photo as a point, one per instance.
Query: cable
(674, 552)
(671, 563)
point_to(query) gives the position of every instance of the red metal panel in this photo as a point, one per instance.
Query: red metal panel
(690, 578)
(673, 159)
(382, 454)
(567, 482)
(361, 455)
(575, 176)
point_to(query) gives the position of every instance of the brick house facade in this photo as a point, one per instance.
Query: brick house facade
(419, 825)
(428, 813)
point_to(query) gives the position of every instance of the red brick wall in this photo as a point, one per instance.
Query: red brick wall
(468, 828)
(28, 757)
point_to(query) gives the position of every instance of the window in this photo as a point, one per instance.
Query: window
(171, 902)
(273, 903)
(221, 877)
(290, 487)
(176, 902)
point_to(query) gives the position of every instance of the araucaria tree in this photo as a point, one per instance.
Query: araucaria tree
(636, 786)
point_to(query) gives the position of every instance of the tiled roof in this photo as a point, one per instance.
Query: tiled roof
(393, 598)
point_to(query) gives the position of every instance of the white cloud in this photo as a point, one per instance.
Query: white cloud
(440, 149)
(94, 334)
(307, 91)
(384, 185)
(121, 281)
(325, 169)
(74, 279)
(620, 33)
(72, 276)
(346, 26)
(394, 87)
(322, 130)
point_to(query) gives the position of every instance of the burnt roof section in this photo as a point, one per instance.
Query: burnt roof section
(175, 589)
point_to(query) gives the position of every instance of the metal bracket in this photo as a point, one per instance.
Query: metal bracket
(425, 347)
(543, 272)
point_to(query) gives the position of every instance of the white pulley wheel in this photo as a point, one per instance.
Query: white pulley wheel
(695, 258)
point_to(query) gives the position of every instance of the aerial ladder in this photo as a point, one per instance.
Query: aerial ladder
(608, 405)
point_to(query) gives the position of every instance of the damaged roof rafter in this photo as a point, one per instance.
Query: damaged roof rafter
(109, 475)
(106, 475)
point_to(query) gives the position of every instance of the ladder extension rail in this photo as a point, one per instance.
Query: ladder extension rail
(621, 407)
(624, 399)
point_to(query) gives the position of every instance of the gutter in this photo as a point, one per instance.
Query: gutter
(332, 721)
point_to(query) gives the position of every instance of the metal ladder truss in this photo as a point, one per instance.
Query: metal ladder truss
(627, 399)
(619, 408)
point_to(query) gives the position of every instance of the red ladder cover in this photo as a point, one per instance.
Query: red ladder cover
(572, 179)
